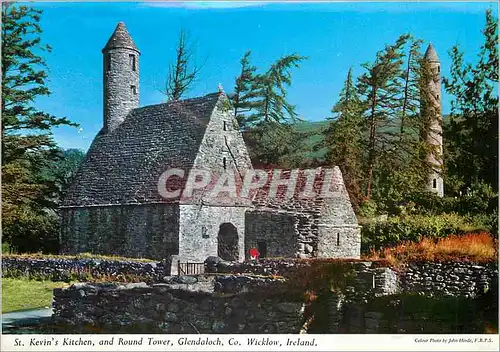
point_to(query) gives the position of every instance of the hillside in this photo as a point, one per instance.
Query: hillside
(315, 130)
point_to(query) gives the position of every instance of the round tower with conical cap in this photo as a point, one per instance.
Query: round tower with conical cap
(121, 77)
(434, 134)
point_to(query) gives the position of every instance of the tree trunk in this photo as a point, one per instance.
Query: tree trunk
(371, 146)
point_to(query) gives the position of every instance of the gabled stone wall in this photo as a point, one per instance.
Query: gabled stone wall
(199, 229)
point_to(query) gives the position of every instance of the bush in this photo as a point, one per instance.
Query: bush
(368, 209)
(32, 233)
(487, 221)
(394, 230)
(479, 199)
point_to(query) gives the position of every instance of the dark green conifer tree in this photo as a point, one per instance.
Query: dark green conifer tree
(380, 89)
(344, 138)
(471, 138)
(243, 98)
(29, 221)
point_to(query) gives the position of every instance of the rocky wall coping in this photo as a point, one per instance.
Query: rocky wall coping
(82, 269)
(199, 285)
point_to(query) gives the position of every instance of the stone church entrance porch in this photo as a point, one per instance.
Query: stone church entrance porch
(227, 242)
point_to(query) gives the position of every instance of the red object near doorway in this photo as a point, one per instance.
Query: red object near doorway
(254, 253)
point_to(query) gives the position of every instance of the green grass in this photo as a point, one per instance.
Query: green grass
(20, 294)
(5, 248)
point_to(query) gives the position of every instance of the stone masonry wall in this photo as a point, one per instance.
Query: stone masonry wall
(189, 308)
(276, 230)
(199, 229)
(221, 150)
(136, 231)
(223, 140)
(449, 279)
(411, 316)
(339, 241)
(419, 298)
(119, 95)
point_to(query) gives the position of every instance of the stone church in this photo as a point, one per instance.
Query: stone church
(113, 205)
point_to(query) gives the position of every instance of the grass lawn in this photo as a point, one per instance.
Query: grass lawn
(19, 294)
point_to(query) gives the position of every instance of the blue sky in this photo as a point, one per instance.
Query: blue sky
(334, 36)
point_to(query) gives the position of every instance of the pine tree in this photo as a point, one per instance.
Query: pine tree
(271, 103)
(27, 142)
(269, 118)
(380, 89)
(244, 92)
(344, 136)
(472, 135)
(403, 170)
(409, 120)
(184, 72)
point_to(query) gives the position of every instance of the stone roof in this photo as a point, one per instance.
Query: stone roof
(120, 39)
(430, 54)
(123, 166)
(334, 207)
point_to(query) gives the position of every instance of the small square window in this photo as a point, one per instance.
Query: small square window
(204, 232)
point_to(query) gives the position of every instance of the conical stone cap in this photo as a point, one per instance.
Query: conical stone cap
(120, 39)
(430, 54)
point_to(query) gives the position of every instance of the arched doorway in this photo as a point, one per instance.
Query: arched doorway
(227, 242)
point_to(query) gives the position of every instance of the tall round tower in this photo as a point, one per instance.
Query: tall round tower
(434, 135)
(121, 77)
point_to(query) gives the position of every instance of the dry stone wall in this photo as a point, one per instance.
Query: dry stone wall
(463, 279)
(189, 308)
(449, 279)
(373, 299)
(81, 269)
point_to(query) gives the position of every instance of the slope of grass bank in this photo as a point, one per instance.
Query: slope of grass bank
(79, 256)
(20, 294)
(474, 247)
